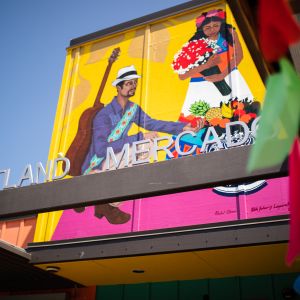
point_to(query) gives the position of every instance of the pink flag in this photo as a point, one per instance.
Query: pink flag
(294, 191)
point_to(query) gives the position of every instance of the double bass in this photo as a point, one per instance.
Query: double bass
(80, 146)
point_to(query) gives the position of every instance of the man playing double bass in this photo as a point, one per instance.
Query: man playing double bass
(110, 129)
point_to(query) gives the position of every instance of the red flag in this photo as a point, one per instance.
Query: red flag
(294, 195)
(277, 28)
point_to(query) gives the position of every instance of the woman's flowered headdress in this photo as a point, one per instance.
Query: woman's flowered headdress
(212, 13)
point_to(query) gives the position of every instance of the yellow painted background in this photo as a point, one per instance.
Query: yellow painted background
(160, 93)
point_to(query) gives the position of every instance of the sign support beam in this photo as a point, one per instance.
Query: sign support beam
(167, 177)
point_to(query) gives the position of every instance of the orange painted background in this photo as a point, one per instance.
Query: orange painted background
(18, 232)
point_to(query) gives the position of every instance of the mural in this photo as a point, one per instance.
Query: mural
(186, 85)
(110, 129)
(217, 91)
(179, 210)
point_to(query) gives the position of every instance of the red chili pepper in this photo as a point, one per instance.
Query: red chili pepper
(239, 112)
(252, 115)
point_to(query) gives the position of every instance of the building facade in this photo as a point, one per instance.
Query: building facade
(157, 203)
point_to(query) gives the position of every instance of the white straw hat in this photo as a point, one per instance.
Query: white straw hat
(126, 73)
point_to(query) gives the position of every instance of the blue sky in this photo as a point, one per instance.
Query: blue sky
(34, 36)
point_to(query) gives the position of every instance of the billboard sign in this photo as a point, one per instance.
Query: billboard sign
(182, 85)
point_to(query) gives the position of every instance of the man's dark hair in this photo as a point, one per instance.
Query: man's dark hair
(120, 84)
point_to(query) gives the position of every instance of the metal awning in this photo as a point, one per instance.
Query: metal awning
(17, 274)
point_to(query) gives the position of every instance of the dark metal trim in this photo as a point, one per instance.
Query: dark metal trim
(17, 218)
(213, 236)
(14, 250)
(295, 6)
(163, 231)
(140, 21)
(244, 12)
(184, 174)
(17, 274)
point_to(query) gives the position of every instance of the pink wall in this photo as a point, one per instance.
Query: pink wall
(181, 209)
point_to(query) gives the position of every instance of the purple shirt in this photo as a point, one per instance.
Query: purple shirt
(107, 119)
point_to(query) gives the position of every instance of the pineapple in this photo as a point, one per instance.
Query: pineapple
(214, 112)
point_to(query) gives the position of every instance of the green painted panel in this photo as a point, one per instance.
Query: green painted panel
(137, 291)
(256, 287)
(224, 288)
(284, 283)
(164, 291)
(267, 287)
(109, 292)
(192, 289)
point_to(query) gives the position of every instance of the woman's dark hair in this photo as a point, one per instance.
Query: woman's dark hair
(224, 30)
